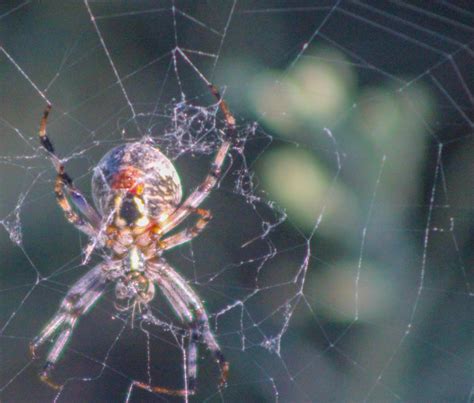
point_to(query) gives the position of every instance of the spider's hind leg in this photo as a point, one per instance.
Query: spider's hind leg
(204, 334)
(78, 301)
(189, 308)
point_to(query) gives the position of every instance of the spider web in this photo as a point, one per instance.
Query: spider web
(337, 266)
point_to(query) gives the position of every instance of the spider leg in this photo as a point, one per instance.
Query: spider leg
(215, 172)
(188, 233)
(63, 184)
(79, 299)
(163, 391)
(189, 308)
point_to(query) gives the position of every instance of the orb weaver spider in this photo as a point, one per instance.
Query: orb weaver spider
(137, 193)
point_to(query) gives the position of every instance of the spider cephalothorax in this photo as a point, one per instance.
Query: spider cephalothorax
(137, 193)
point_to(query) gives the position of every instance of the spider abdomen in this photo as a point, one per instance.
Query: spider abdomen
(139, 172)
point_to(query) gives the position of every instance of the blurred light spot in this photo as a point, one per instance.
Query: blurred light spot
(397, 123)
(385, 114)
(336, 293)
(317, 90)
(307, 190)
(322, 88)
(274, 101)
(378, 114)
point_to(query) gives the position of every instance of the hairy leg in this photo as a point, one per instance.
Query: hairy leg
(189, 308)
(64, 186)
(78, 301)
(210, 181)
(189, 233)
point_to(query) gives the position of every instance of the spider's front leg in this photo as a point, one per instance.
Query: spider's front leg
(211, 180)
(64, 186)
(188, 233)
(79, 299)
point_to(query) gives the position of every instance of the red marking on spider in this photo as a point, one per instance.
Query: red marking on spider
(128, 179)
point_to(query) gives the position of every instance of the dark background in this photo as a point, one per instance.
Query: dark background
(354, 186)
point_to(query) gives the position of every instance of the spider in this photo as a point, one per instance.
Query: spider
(137, 194)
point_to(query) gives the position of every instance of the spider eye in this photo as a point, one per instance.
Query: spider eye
(129, 210)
